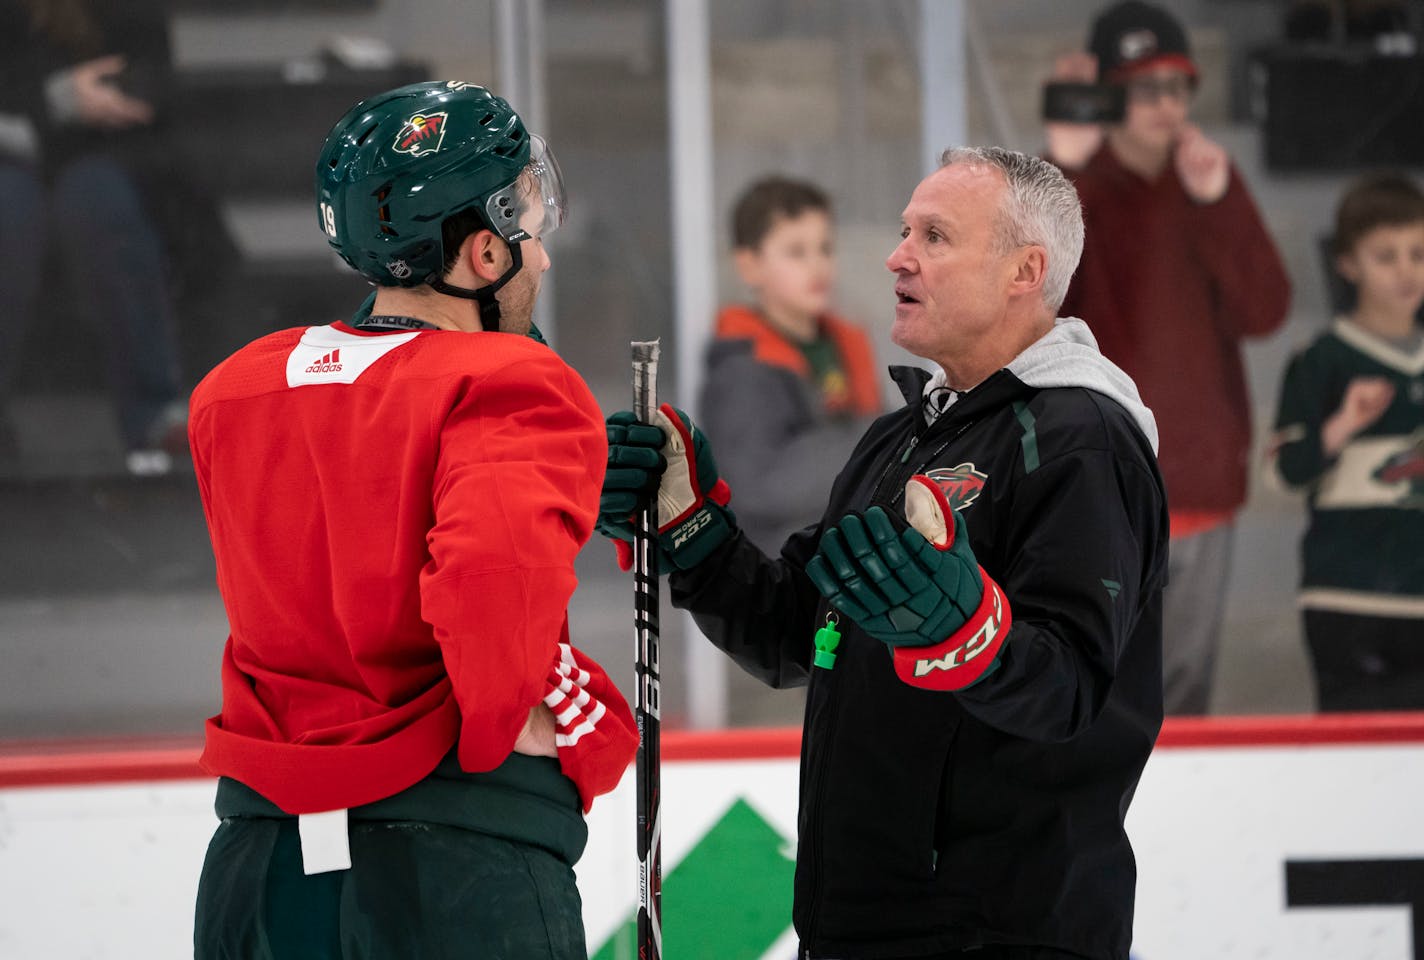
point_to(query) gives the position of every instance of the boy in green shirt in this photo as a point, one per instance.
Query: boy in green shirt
(1350, 434)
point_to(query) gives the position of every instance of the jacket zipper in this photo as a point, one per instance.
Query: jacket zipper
(891, 463)
(876, 491)
(914, 440)
(817, 789)
(829, 675)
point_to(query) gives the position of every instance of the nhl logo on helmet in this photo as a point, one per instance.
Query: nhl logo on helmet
(422, 134)
(398, 269)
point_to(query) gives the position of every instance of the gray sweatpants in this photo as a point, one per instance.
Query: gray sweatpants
(1192, 608)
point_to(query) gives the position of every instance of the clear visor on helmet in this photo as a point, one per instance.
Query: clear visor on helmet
(534, 204)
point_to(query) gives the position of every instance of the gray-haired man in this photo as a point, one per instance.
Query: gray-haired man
(992, 560)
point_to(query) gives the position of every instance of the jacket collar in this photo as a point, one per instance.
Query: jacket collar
(999, 388)
(1066, 356)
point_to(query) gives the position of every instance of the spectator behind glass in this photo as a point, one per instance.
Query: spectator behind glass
(1177, 270)
(70, 133)
(790, 386)
(1350, 435)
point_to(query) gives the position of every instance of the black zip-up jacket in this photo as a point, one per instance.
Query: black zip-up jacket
(932, 821)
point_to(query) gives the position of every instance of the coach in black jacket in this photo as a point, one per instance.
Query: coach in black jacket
(973, 740)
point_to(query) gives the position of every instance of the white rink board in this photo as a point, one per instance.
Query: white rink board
(1213, 828)
(110, 871)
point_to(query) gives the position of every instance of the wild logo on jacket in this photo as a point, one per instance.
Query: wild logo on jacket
(1406, 466)
(960, 485)
(421, 134)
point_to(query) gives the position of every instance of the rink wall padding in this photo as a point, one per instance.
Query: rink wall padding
(1259, 837)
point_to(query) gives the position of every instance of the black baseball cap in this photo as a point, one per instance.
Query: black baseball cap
(1130, 37)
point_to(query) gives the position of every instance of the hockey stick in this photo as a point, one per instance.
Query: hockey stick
(646, 696)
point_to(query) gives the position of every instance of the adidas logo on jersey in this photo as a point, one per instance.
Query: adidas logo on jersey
(330, 363)
(327, 355)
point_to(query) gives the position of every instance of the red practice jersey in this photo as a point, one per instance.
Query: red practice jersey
(395, 517)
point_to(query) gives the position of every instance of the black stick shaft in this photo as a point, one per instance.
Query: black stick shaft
(646, 709)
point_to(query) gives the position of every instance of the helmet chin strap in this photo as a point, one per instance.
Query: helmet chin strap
(484, 296)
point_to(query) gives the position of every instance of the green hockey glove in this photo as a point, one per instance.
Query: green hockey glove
(635, 465)
(917, 588)
(672, 457)
(693, 516)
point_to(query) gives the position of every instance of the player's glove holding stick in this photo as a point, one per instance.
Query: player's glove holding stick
(917, 588)
(673, 458)
(635, 466)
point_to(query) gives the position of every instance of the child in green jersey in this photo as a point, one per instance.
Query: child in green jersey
(1350, 434)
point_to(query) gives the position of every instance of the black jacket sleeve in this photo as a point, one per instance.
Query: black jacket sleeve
(1308, 399)
(1084, 549)
(760, 612)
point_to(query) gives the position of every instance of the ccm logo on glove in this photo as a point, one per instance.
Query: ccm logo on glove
(690, 528)
(671, 461)
(985, 638)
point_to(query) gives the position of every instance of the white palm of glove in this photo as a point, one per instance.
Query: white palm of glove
(678, 493)
(693, 518)
(926, 512)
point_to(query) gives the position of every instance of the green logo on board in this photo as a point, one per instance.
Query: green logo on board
(728, 899)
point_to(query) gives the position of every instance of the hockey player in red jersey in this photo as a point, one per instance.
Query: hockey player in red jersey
(408, 738)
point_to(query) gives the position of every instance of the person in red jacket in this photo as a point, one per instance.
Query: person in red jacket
(1177, 270)
(408, 737)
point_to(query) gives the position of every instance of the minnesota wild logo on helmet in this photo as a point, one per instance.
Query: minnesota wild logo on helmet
(399, 164)
(422, 134)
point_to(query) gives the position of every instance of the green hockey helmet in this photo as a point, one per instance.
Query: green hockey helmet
(399, 164)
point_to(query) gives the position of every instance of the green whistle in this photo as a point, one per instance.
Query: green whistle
(827, 639)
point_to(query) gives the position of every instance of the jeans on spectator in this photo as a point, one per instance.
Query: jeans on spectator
(92, 216)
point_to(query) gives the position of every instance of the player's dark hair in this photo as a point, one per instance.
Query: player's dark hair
(763, 202)
(458, 226)
(453, 233)
(1379, 200)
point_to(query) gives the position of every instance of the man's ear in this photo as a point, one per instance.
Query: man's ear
(486, 254)
(1031, 268)
(1348, 266)
(749, 266)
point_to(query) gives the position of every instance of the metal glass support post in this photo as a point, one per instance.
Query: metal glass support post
(519, 25)
(694, 256)
(943, 79)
